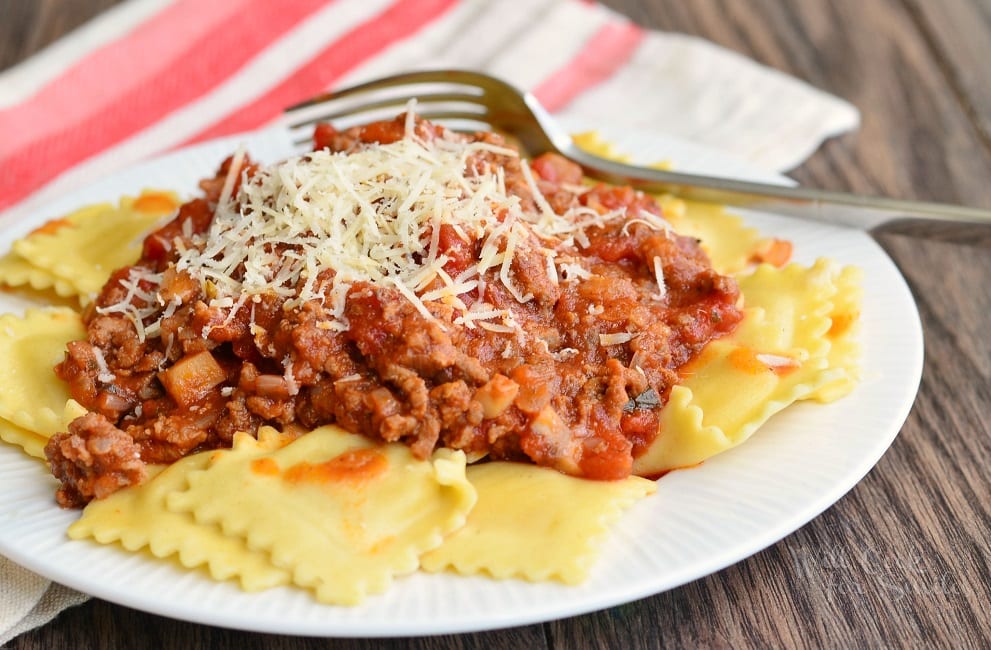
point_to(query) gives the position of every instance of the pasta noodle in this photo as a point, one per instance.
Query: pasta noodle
(376, 507)
(31, 396)
(76, 254)
(534, 523)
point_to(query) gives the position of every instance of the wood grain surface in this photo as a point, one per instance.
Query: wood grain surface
(904, 558)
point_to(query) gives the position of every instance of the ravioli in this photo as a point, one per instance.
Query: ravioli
(80, 251)
(730, 244)
(844, 351)
(32, 443)
(15, 271)
(534, 523)
(375, 506)
(137, 518)
(31, 396)
(594, 143)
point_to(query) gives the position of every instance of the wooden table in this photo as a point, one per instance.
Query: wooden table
(904, 558)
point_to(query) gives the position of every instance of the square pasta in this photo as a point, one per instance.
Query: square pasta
(534, 523)
(31, 396)
(80, 250)
(15, 271)
(32, 443)
(376, 505)
(136, 518)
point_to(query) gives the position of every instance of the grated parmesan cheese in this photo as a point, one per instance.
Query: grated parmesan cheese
(662, 287)
(104, 376)
(310, 227)
(573, 271)
(650, 220)
(290, 378)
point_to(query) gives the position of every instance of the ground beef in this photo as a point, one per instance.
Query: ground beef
(92, 460)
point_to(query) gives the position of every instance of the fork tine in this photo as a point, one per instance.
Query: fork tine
(336, 108)
(444, 113)
(465, 82)
(459, 99)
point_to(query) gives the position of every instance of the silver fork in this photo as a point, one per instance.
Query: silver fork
(471, 101)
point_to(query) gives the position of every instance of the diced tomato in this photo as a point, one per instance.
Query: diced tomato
(369, 329)
(610, 248)
(640, 428)
(159, 244)
(383, 132)
(323, 135)
(607, 457)
(555, 168)
(460, 252)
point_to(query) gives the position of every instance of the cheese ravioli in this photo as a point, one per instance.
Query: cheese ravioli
(340, 513)
(535, 523)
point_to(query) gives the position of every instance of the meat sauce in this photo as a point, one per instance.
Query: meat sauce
(577, 386)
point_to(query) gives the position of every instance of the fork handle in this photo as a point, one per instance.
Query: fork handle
(869, 213)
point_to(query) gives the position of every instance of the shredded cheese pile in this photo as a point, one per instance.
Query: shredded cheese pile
(373, 215)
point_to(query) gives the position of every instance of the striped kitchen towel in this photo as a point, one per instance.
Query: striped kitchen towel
(154, 75)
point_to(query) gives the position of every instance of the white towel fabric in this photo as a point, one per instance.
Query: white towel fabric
(28, 600)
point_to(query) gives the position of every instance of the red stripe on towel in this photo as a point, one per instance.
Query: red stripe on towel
(599, 59)
(191, 72)
(100, 78)
(402, 19)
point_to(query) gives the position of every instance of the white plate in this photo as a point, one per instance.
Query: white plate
(700, 520)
